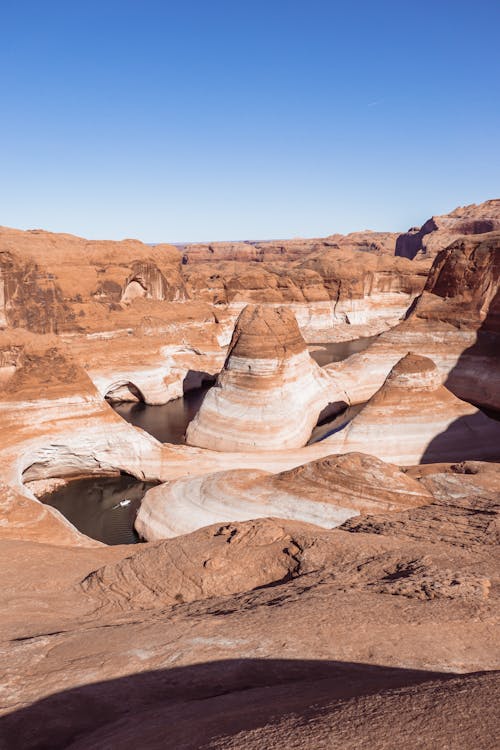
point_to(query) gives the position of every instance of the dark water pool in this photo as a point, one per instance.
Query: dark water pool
(341, 350)
(335, 423)
(166, 423)
(93, 506)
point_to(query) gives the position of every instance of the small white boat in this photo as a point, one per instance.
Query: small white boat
(123, 503)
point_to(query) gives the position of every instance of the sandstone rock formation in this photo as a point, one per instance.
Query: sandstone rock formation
(334, 286)
(140, 323)
(270, 392)
(325, 492)
(414, 419)
(455, 322)
(440, 231)
(437, 427)
(254, 631)
(278, 250)
(363, 627)
(225, 560)
(54, 423)
(120, 307)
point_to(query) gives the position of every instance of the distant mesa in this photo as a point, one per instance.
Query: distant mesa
(439, 231)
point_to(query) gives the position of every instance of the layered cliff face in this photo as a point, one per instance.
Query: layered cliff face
(267, 251)
(325, 492)
(119, 307)
(78, 272)
(30, 297)
(327, 288)
(440, 231)
(269, 394)
(140, 325)
(455, 322)
(367, 287)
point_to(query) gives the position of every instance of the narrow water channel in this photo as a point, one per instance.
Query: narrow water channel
(167, 423)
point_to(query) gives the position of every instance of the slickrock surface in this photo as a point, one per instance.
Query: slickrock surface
(244, 634)
(418, 715)
(414, 419)
(440, 231)
(270, 392)
(325, 492)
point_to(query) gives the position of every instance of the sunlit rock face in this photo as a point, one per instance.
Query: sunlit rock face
(165, 643)
(414, 419)
(455, 322)
(216, 561)
(273, 251)
(325, 492)
(439, 231)
(270, 392)
(334, 285)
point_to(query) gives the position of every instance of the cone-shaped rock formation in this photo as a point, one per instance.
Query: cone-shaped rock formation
(414, 419)
(270, 392)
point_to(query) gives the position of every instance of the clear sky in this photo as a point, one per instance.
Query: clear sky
(204, 120)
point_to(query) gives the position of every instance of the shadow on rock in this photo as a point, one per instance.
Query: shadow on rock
(186, 707)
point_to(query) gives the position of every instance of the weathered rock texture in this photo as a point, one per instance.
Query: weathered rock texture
(252, 634)
(325, 492)
(140, 323)
(440, 231)
(120, 307)
(279, 250)
(270, 392)
(265, 632)
(49, 280)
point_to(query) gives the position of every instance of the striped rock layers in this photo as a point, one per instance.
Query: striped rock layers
(270, 392)
(415, 419)
(325, 492)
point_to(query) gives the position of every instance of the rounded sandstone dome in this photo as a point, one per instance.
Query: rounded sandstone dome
(416, 372)
(265, 332)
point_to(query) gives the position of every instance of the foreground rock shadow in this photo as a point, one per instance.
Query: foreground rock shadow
(185, 707)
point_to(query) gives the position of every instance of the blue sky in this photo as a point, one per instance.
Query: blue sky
(226, 120)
